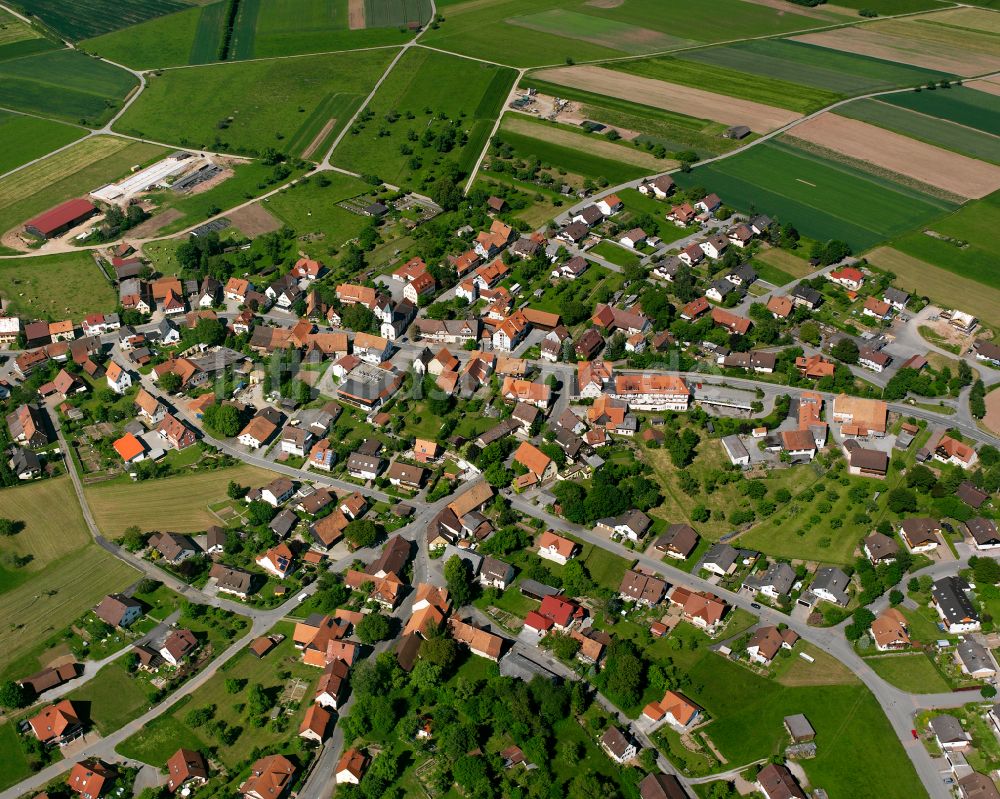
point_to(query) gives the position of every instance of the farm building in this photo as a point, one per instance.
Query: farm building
(61, 218)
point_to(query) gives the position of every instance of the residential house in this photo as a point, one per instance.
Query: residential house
(270, 777)
(767, 642)
(774, 582)
(720, 559)
(849, 277)
(641, 588)
(89, 778)
(975, 659)
(984, 533)
(173, 547)
(539, 466)
(118, 610)
(186, 769)
(949, 733)
(675, 709)
(618, 747)
(119, 379)
(480, 642)
(890, 631)
(830, 584)
(775, 781)
(351, 767)
(57, 724)
(278, 561)
(920, 534)
(175, 433)
(880, 548)
(177, 646)
(678, 542)
(950, 598)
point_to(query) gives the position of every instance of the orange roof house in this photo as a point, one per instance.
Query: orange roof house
(129, 447)
(270, 778)
(675, 708)
(814, 366)
(55, 722)
(535, 461)
(780, 307)
(89, 778)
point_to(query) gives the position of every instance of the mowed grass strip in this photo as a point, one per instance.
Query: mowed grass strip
(593, 143)
(721, 80)
(931, 129)
(909, 672)
(570, 159)
(808, 65)
(167, 41)
(71, 173)
(24, 138)
(808, 190)
(179, 504)
(945, 287)
(246, 107)
(53, 598)
(56, 286)
(64, 84)
(789, 263)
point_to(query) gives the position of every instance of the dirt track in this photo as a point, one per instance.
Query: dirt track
(671, 97)
(950, 171)
(307, 153)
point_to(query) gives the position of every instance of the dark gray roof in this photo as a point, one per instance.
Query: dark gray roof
(948, 729)
(779, 576)
(949, 595)
(974, 656)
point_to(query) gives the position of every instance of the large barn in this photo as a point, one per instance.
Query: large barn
(61, 218)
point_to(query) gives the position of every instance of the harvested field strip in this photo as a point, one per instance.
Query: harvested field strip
(931, 129)
(55, 596)
(721, 81)
(208, 36)
(974, 19)
(356, 15)
(953, 51)
(600, 31)
(572, 159)
(14, 30)
(979, 110)
(946, 170)
(672, 97)
(988, 85)
(175, 503)
(943, 286)
(593, 144)
(808, 191)
(807, 64)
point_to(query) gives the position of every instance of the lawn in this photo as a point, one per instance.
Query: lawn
(771, 273)
(15, 764)
(71, 173)
(78, 21)
(167, 41)
(156, 743)
(427, 95)
(808, 65)
(615, 253)
(543, 32)
(56, 286)
(942, 285)
(807, 190)
(909, 672)
(112, 698)
(66, 85)
(54, 597)
(174, 503)
(53, 526)
(267, 103)
(745, 86)
(24, 138)
(859, 754)
(931, 129)
(311, 210)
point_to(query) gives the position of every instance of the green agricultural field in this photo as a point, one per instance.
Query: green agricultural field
(571, 159)
(167, 41)
(933, 130)
(312, 210)
(64, 84)
(425, 95)
(268, 103)
(859, 753)
(54, 597)
(177, 503)
(910, 672)
(959, 104)
(746, 86)
(77, 21)
(970, 252)
(809, 65)
(71, 173)
(56, 286)
(396, 13)
(527, 33)
(888, 7)
(798, 187)
(24, 139)
(18, 39)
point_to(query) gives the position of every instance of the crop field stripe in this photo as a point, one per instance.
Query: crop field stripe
(24, 138)
(244, 31)
(575, 161)
(76, 21)
(965, 106)
(25, 47)
(331, 107)
(930, 129)
(205, 47)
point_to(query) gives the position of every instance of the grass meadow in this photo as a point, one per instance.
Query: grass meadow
(71, 173)
(425, 91)
(175, 503)
(267, 103)
(77, 21)
(912, 672)
(56, 286)
(809, 65)
(167, 41)
(528, 33)
(931, 129)
(24, 138)
(66, 85)
(807, 190)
